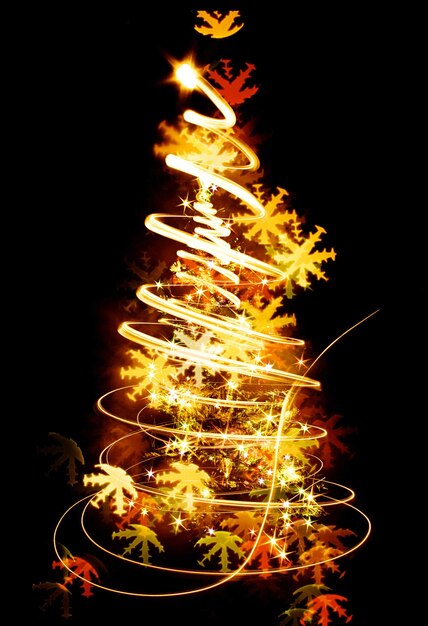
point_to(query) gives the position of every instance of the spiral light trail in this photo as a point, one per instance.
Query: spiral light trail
(210, 240)
(201, 434)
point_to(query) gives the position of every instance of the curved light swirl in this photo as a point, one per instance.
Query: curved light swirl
(84, 502)
(210, 239)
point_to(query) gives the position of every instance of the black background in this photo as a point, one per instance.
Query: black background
(341, 102)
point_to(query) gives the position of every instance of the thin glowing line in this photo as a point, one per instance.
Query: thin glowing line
(341, 336)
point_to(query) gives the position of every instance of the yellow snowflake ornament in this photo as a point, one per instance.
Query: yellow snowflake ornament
(218, 26)
(115, 482)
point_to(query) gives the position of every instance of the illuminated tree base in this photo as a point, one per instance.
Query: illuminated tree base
(174, 552)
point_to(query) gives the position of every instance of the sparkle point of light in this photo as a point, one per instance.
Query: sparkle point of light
(187, 76)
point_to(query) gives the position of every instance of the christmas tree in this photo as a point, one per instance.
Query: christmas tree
(219, 475)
